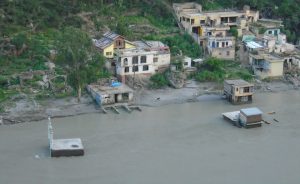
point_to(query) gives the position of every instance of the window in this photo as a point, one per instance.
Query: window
(126, 69)
(226, 43)
(192, 21)
(135, 60)
(135, 68)
(143, 59)
(223, 44)
(246, 90)
(125, 61)
(217, 44)
(145, 68)
(155, 60)
(202, 22)
(119, 43)
(201, 43)
(228, 53)
(186, 63)
(108, 53)
(270, 32)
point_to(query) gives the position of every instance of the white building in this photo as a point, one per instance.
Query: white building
(148, 58)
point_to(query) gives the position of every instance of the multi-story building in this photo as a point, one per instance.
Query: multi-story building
(238, 91)
(266, 65)
(110, 42)
(147, 58)
(193, 18)
(203, 25)
(221, 47)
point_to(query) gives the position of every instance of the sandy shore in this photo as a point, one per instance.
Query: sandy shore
(26, 110)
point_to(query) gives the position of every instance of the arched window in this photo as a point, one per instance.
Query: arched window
(125, 61)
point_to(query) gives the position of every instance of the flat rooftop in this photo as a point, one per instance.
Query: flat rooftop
(251, 111)
(238, 82)
(110, 90)
(66, 144)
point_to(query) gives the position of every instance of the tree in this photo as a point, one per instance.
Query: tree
(78, 56)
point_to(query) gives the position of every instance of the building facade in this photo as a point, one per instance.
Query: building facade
(110, 42)
(221, 47)
(266, 65)
(147, 59)
(238, 91)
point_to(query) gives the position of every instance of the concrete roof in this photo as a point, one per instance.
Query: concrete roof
(111, 90)
(238, 82)
(152, 45)
(251, 111)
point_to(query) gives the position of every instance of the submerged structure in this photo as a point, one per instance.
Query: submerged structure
(247, 118)
(238, 91)
(110, 92)
(63, 147)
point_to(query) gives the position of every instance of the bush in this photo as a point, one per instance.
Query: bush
(158, 81)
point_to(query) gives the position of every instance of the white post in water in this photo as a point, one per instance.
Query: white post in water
(50, 134)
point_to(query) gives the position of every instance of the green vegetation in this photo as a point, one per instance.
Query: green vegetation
(78, 56)
(158, 80)
(234, 32)
(31, 29)
(218, 70)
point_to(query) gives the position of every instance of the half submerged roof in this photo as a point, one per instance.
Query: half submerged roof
(251, 111)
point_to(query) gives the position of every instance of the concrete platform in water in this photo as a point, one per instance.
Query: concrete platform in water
(66, 147)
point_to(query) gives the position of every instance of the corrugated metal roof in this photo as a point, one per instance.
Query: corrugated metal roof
(111, 35)
(254, 45)
(102, 43)
(251, 111)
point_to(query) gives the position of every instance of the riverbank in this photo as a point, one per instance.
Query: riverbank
(26, 110)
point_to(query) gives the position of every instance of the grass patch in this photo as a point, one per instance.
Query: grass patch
(217, 70)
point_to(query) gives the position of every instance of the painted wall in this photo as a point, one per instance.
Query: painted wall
(107, 50)
(276, 69)
(129, 45)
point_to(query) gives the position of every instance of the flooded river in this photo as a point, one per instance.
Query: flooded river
(173, 144)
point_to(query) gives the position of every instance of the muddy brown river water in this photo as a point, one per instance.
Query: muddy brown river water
(173, 144)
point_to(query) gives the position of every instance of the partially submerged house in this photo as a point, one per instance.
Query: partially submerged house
(148, 58)
(247, 118)
(251, 117)
(238, 91)
(110, 93)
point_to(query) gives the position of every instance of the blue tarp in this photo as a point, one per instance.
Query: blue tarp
(115, 84)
